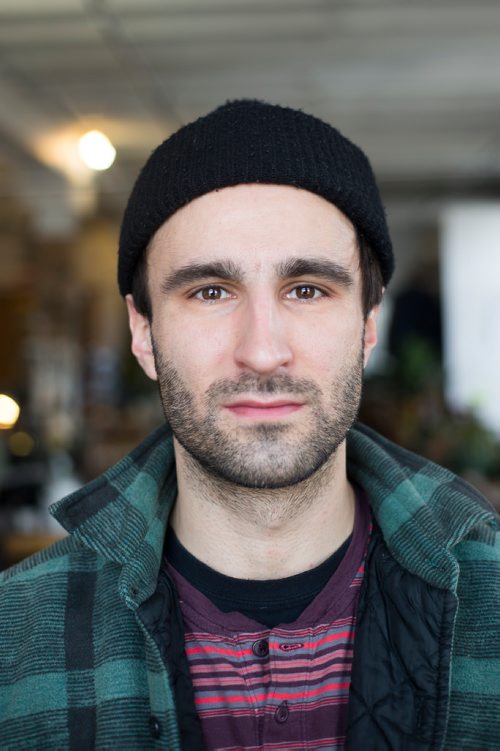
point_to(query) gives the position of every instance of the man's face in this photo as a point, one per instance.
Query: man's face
(257, 338)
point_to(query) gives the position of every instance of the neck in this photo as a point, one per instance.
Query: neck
(254, 533)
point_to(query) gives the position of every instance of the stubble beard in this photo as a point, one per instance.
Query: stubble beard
(261, 456)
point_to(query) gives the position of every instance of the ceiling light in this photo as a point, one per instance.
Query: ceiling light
(9, 411)
(96, 150)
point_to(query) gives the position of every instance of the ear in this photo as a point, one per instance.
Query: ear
(141, 346)
(371, 337)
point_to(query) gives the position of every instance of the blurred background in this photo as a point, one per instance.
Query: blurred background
(416, 85)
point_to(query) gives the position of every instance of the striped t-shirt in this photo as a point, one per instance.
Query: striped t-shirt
(280, 688)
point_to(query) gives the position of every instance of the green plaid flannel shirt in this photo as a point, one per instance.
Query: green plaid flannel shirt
(435, 525)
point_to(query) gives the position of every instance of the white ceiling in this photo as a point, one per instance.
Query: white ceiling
(416, 84)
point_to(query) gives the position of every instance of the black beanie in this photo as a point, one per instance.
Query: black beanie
(248, 141)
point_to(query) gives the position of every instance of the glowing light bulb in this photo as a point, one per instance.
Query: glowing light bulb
(96, 150)
(9, 411)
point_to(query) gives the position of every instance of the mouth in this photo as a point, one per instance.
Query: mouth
(261, 411)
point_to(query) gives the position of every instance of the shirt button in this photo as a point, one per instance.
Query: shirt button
(260, 648)
(154, 727)
(282, 712)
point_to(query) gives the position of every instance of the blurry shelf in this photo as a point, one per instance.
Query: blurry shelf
(14, 546)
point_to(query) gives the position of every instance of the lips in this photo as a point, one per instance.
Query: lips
(251, 408)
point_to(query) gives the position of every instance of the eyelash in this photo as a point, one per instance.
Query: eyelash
(197, 294)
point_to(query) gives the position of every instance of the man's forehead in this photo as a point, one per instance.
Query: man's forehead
(278, 218)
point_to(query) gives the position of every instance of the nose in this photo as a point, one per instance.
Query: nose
(262, 344)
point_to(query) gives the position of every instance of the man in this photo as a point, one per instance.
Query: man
(258, 573)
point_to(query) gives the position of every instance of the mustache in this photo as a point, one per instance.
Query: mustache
(250, 383)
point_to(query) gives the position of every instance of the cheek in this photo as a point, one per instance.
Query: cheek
(196, 354)
(329, 346)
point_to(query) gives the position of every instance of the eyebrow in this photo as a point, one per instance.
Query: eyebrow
(197, 272)
(322, 267)
(230, 271)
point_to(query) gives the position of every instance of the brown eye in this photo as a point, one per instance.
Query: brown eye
(212, 294)
(305, 292)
